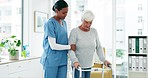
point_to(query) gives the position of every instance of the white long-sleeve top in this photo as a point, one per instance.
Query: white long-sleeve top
(55, 46)
(87, 43)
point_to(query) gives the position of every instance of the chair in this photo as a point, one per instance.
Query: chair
(98, 74)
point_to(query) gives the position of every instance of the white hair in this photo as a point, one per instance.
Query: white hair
(88, 16)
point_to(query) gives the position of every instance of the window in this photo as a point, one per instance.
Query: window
(10, 18)
(0, 13)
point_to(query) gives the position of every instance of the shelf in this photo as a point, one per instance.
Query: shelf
(137, 36)
(137, 54)
(137, 71)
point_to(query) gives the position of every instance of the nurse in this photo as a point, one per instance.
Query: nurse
(55, 43)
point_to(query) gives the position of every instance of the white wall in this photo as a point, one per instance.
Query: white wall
(103, 20)
(35, 39)
(30, 37)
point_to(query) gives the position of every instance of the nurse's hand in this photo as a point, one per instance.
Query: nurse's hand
(76, 64)
(73, 47)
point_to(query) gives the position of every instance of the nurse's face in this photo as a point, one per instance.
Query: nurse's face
(62, 13)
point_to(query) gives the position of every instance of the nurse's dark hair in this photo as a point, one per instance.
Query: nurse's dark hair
(59, 5)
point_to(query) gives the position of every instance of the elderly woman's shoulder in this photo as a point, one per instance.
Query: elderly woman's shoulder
(75, 29)
(93, 29)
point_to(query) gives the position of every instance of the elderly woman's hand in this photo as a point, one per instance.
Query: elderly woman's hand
(76, 64)
(107, 63)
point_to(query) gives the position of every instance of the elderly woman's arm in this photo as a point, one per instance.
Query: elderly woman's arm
(100, 51)
(99, 48)
(72, 40)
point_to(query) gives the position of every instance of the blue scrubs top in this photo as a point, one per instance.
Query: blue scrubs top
(51, 57)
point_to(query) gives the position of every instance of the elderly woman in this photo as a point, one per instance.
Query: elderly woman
(87, 42)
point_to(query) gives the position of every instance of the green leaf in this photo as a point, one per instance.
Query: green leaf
(13, 36)
(2, 44)
(9, 50)
(18, 43)
(15, 41)
(6, 41)
(119, 52)
(13, 52)
(23, 53)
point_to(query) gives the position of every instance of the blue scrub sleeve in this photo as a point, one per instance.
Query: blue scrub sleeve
(49, 29)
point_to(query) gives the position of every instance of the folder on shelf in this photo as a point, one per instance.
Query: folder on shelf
(144, 45)
(137, 63)
(130, 63)
(140, 45)
(133, 45)
(130, 45)
(133, 63)
(144, 63)
(137, 45)
(140, 63)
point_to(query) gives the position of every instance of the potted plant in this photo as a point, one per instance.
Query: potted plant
(11, 44)
(119, 53)
(119, 56)
(1, 50)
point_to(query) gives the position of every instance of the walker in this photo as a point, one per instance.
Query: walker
(92, 69)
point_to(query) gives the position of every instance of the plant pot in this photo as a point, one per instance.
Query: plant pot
(15, 57)
(1, 49)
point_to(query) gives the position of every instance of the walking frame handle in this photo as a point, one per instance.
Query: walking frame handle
(80, 69)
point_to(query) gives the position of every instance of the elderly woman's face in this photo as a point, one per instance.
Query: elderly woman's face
(86, 24)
